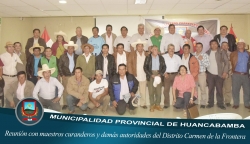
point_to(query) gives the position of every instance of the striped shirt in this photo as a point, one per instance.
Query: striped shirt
(204, 63)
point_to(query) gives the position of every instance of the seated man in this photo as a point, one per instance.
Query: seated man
(19, 90)
(120, 85)
(77, 88)
(46, 88)
(98, 92)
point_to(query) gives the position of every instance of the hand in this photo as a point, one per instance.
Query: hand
(191, 101)
(132, 94)
(200, 57)
(114, 103)
(174, 101)
(56, 100)
(224, 75)
(153, 76)
(98, 97)
(166, 75)
(12, 104)
(97, 104)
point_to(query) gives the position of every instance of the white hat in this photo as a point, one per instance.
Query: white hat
(153, 30)
(241, 40)
(138, 42)
(157, 80)
(45, 67)
(61, 33)
(71, 43)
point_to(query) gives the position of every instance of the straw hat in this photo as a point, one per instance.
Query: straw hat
(45, 67)
(161, 29)
(90, 46)
(36, 45)
(138, 42)
(61, 33)
(241, 41)
(71, 43)
(8, 43)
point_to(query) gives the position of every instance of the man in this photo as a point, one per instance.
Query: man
(156, 38)
(96, 41)
(105, 62)
(109, 38)
(19, 90)
(98, 92)
(124, 39)
(46, 88)
(154, 66)
(202, 78)
(224, 36)
(217, 71)
(171, 38)
(35, 39)
(121, 56)
(135, 66)
(172, 62)
(18, 51)
(77, 88)
(79, 39)
(240, 60)
(50, 60)
(86, 61)
(203, 38)
(33, 62)
(10, 61)
(188, 39)
(66, 67)
(120, 85)
(143, 37)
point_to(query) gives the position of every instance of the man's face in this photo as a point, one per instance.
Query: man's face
(109, 30)
(223, 31)
(171, 50)
(86, 49)
(171, 29)
(122, 70)
(225, 46)
(141, 29)
(186, 50)
(36, 52)
(154, 51)
(98, 77)
(188, 33)
(10, 49)
(105, 50)
(48, 52)
(139, 47)
(120, 49)
(59, 38)
(71, 49)
(18, 47)
(36, 34)
(124, 31)
(214, 46)
(199, 48)
(21, 78)
(47, 74)
(200, 31)
(157, 31)
(78, 32)
(95, 32)
(78, 73)
(241, 46)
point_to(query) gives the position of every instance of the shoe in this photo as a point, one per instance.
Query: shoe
(152, 108)
(165, 107)
(64, 107)
(228, 104)
(235, 106)
(248, 107)
(209, 106)
(71, 112)
(222, 107)
(158, 108)
(132, 112)
(144, 107)
(202, 106)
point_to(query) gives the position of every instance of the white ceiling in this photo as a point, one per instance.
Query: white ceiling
(40, 8)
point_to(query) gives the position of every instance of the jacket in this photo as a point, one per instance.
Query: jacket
(231, 41)
(11, 92)
(30, 43)
(30, 66)
(132, 62)
(115, 56)
(63, 65)
(221, 60)
(84, 39)
(113, 37)
(115, 86)
(55, 46)
(148, 66)
(111, 64)
(80, 90)
(234, 61)
(193, 66)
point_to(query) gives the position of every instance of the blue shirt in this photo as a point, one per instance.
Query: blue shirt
(36, 64)
(78, 51)
(241, 65)
(155, 63)
(71, 62)
(97, 43)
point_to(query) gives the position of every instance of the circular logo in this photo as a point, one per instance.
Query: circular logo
(29, 111)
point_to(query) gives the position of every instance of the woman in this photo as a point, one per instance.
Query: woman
(185, 85)
(57, 48)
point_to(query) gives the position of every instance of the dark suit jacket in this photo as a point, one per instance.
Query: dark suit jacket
(63, 65)
(231, 41)
(30, 43)
(84, 39)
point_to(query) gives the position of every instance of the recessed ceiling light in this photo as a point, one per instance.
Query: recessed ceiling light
(62, 1)
(140, 1)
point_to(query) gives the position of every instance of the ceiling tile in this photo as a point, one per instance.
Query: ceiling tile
(56, 2)
(96, 12)
(165, 1)
(247, 6)
(56, 13)
(47, 7)
(240, 10)
(93, 7)
(220, 11)
(117, 12)
(25, 8)
(185, 6)
(191, 1)
(13, 3)
(137, 11)
(161, 7)
(69, 7)
(113, 2)
(37, 13)
(139, 7)
(209, 5)
(88, 2)
(17, 14)
(130, 2)
(230, 6)
(199, 11)
(214, 1)
(115, 7)
(5, 15)
(160, 12)
(5, 9)
(76, 13)
(179, 11)
(239, 1)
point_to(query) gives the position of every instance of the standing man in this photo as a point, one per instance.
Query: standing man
(203, 38)
(202, 78)
(224, 36)
(217, 71)
(124, 39)
(188, 39)
(35, 39)
(156, 38)
(109, 38)
(143, 37)
(19, 52)
(122, 84)
(79, 39)
(172, 38)
(33, 62)
(96, 41)
(154, 66)
(173, 62)
(121, 56)
(66, 67)
(240, 60)
(135, 66)
(105, 62)
(46, 87)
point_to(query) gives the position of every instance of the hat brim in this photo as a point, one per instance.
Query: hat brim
(89, 45)
(67, 45)
(32, 48)
(40, 73)
(153, 31)
(136, 43)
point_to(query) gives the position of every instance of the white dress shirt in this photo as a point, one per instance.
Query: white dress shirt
(46, 89)
(213, 67)
(172, 63)
(125, 41)
(105, 66)
(71, 62)
(124, 87)
(141, 75)
(121, 59)
(87, 57)
(109, 41)
(20, 90)
(185, 62)
(10, 62)
(35, 41)
(174, 39)
(144, 37)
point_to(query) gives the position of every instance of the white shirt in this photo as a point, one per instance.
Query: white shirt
(35, 41)
(71, 62)
(124, 87)
(213, 68)
(87, 57)
(97, 89)
(172, 63)
(109, 41)
(105, 66)
(20, 90)
(174, 39)
(144, 37)
(141, 75)
(186, 62)
(125, 41)
(10, 62)
(46, 89)
(121, 59)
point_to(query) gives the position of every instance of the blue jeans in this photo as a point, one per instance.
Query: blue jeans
(71, 101)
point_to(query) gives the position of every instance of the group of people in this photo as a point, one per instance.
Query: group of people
(117, 71)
